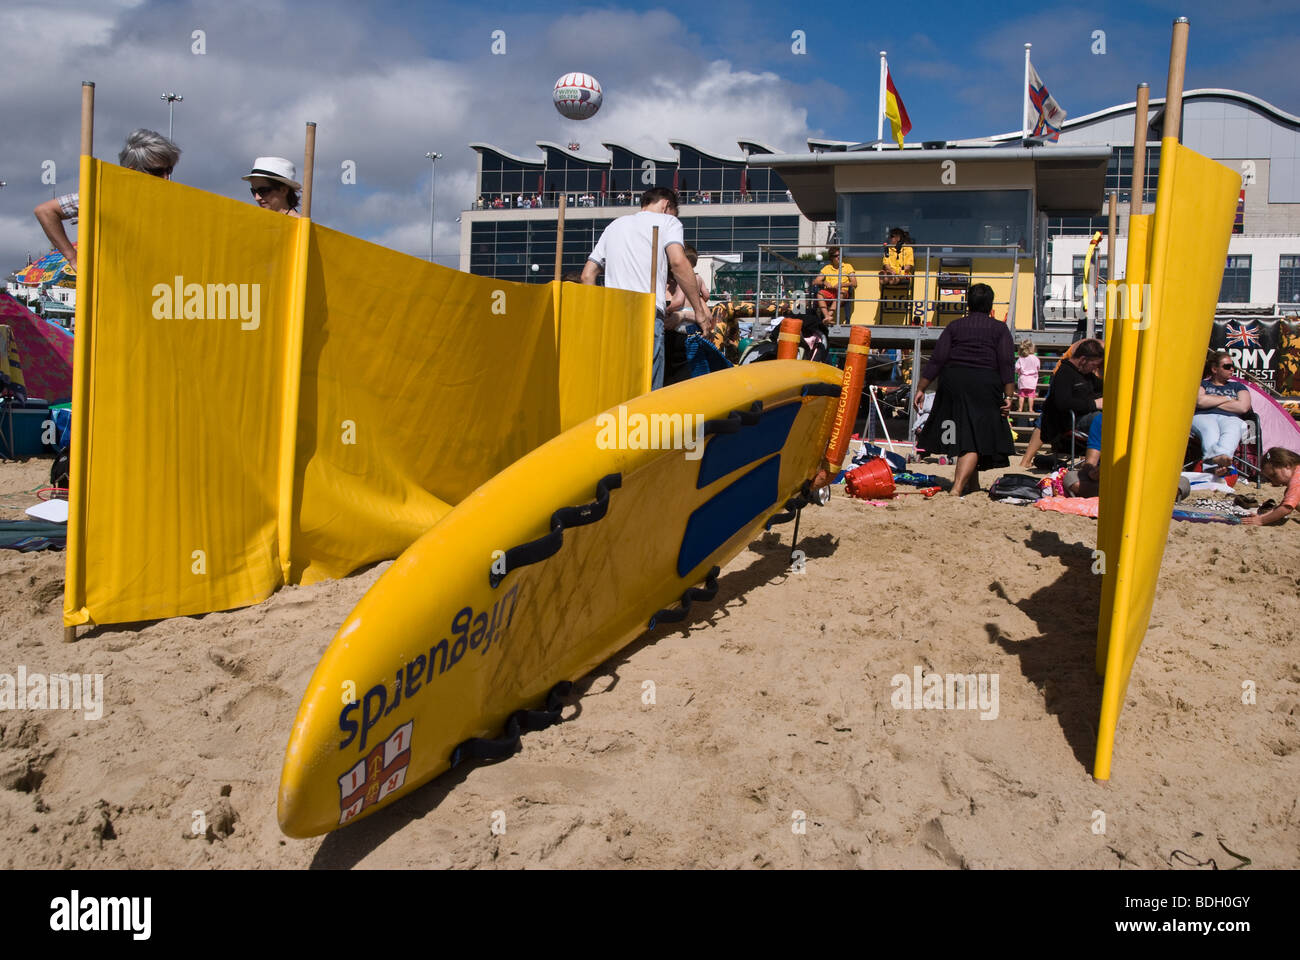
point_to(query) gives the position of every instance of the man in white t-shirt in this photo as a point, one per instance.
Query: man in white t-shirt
(623, 251)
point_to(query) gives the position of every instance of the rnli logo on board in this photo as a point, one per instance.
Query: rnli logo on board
(377, 775)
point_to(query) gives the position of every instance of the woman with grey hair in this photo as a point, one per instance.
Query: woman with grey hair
(145, 150)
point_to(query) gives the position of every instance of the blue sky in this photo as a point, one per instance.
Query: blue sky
(387, 82)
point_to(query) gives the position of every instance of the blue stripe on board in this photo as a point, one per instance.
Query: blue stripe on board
(726, 513)
(726, 452)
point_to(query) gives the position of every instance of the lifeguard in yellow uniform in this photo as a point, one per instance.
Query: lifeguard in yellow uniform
(898, 264)
(837, 281)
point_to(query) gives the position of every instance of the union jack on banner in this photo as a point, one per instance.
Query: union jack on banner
(1243, 334)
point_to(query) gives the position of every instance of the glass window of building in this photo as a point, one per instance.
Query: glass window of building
(572, 175)
(633, 174)
(1236, 280)
(764, 185)
(505, 178)
(1077, 269)
(699, 173)
(1288, 279)
(1119, 173)
(938, 218)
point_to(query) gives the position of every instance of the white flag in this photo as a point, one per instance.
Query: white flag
(1050, 113)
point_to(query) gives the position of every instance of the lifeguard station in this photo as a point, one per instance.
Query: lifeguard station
(977, 213)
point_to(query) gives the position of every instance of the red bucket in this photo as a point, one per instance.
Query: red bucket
(870, 481)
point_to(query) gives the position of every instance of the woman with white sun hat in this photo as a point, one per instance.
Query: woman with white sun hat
(273, 186)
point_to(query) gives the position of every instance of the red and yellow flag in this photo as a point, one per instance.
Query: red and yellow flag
(899, 122)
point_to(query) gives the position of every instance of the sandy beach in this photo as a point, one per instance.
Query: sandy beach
(771, 742)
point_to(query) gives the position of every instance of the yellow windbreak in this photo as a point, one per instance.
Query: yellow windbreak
(409, 384)
(1189, 233)
(606, 339)
(1127, 319)
(418, 385)
(179, 418)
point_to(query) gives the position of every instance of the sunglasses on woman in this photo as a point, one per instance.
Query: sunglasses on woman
(263, 191)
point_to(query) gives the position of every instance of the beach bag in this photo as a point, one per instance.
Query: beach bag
(1015, 486)
(59, 471)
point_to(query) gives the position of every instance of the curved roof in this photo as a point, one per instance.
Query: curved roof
(753, 146)
(609, 145)
(509, 156)
(817, 143)
(678, 144)
(1205, 93)
(594, 161)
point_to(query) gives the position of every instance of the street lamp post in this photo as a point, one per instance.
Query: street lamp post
(434, 157)
(172, 99)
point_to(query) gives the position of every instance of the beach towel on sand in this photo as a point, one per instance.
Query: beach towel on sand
(1079, 506)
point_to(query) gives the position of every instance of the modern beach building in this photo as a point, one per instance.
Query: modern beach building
(729, 207)
(1017, 214)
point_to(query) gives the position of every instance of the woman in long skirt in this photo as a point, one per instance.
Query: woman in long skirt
(974, 365)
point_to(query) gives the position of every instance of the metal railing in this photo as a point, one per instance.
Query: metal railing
(934, 295)
(588, 199)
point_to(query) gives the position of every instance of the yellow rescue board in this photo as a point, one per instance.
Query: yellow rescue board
(435, 654)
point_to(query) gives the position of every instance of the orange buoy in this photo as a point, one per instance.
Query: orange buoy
(787, 341)
(846, 411)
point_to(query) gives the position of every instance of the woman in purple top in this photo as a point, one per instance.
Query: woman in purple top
(969, 418)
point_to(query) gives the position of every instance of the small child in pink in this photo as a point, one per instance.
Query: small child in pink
(1027, 368)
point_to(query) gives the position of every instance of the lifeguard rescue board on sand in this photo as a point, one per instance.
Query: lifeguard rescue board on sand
(541, 574)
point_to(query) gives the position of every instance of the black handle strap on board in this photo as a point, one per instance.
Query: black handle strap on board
(538, 550)
(821, 390)
(734, 420)
(517, 724)
(692, 594)
(792, 506)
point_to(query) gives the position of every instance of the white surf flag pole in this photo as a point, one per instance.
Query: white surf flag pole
(880, 106)
(1024, 110)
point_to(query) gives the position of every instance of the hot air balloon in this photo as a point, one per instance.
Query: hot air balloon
(577, 95)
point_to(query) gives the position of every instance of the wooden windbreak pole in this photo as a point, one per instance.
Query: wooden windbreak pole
(654, 269)
(654, 297)
(1141, 120)
(87, 118)
(1174, 86)
(74, 572)
(1111, 269)
(308, 168)
(559, 240)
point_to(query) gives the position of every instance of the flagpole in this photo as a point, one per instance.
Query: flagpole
(1024, 110)
(880, 106)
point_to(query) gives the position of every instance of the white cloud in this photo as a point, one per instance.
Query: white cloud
(383, 93)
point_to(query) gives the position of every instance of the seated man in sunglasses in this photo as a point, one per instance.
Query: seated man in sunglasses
(1220, 402)
(145, 150)
(272, 185)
